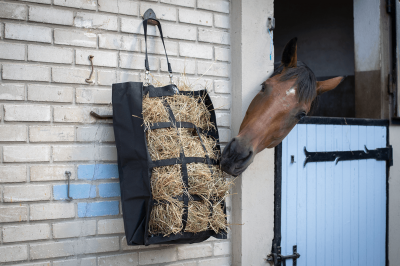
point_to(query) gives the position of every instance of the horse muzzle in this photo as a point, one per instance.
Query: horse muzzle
(237, 156)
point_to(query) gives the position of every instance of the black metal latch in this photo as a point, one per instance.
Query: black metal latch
(277, 258)
(380, 154)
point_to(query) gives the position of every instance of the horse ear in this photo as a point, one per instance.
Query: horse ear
(329, 84)
(289, 56)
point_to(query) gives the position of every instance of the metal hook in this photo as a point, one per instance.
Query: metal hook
(68, 173)
(89, 80)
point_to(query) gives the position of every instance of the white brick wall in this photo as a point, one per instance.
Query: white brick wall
(46, 129)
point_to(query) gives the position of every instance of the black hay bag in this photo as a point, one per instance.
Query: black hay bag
(135, 164)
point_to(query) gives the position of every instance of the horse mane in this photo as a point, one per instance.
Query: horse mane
(305, 80)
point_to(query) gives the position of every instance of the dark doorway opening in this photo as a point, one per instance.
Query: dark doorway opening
(325, 32)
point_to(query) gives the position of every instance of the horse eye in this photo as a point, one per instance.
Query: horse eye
(301, 115)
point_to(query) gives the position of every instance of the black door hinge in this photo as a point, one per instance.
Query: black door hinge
(380, 154)
(277, 258)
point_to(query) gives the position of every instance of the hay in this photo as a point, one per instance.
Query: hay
(218, 222)
(198, 216)
(166, 218)
(166, 182)
(165, 143)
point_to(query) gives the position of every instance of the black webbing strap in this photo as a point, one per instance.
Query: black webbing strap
(146, 62)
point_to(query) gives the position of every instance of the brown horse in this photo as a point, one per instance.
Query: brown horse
(284, 99)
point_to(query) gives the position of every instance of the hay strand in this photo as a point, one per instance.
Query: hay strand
(198, 216)
(166, 218)
(166, 182)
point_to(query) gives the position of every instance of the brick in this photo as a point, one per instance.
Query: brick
(221, 21)
(157, 256)
(28, 113)
(26, 193)
(50, 54)
(156, 47)
(195, 50)
(78, 114)
(120, 260)
(106, 77)
(179, 66)
(51, 15)
(100, 133)
(187, 3)
(221, 102)
(26, 72)
(134, 61)
(175, 31)
(51, 133)
(95, 21)
(213, 69)
(97, 171)
(12, 51)
(214, 5)
(119, 42)
(12, 91)
(46, 263)
(109, 190)
(44, 93)
(26, 32)
(132, 25)
(83, 4)
(13, 253)
(16, 213)
(195, 17)
(110, 226)
(48, 211)
(98, 245)
(77, 191)
(12, 174)
(39, 1)
(74, 262)
(222, 86)
(74, 229)
(84, 153)
(163, 12)
(51, 172)
(70, 75)
(12, 133)
(222, 54)
(75, 38)
(222, 248)
(125, 76)
(223, 119)
(215, 262)
(99, 208)
(52, 250)
(26, 232)
(13, 11)
(24, 153)
(125, 7)
(101, 58)
(224, 135)
(93, 95)
(213, 36)
(194, 251)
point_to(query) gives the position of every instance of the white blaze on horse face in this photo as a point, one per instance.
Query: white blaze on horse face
(291, 91)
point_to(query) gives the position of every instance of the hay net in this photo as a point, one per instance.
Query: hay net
(188, 187)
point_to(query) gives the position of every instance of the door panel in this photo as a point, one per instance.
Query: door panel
(334, 213)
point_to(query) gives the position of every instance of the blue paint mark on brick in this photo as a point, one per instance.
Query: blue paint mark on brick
(109, 190)
(77, 191)
(97, 171)
(101, 208)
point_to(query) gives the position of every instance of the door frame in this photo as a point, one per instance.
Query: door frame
(276, 242)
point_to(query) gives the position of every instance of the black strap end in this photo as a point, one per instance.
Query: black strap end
(169, 68)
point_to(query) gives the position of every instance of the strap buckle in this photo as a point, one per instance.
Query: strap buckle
(146, 78)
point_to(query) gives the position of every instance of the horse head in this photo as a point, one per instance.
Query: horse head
(283, 100)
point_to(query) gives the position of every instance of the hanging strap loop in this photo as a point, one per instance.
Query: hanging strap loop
(146, 63)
